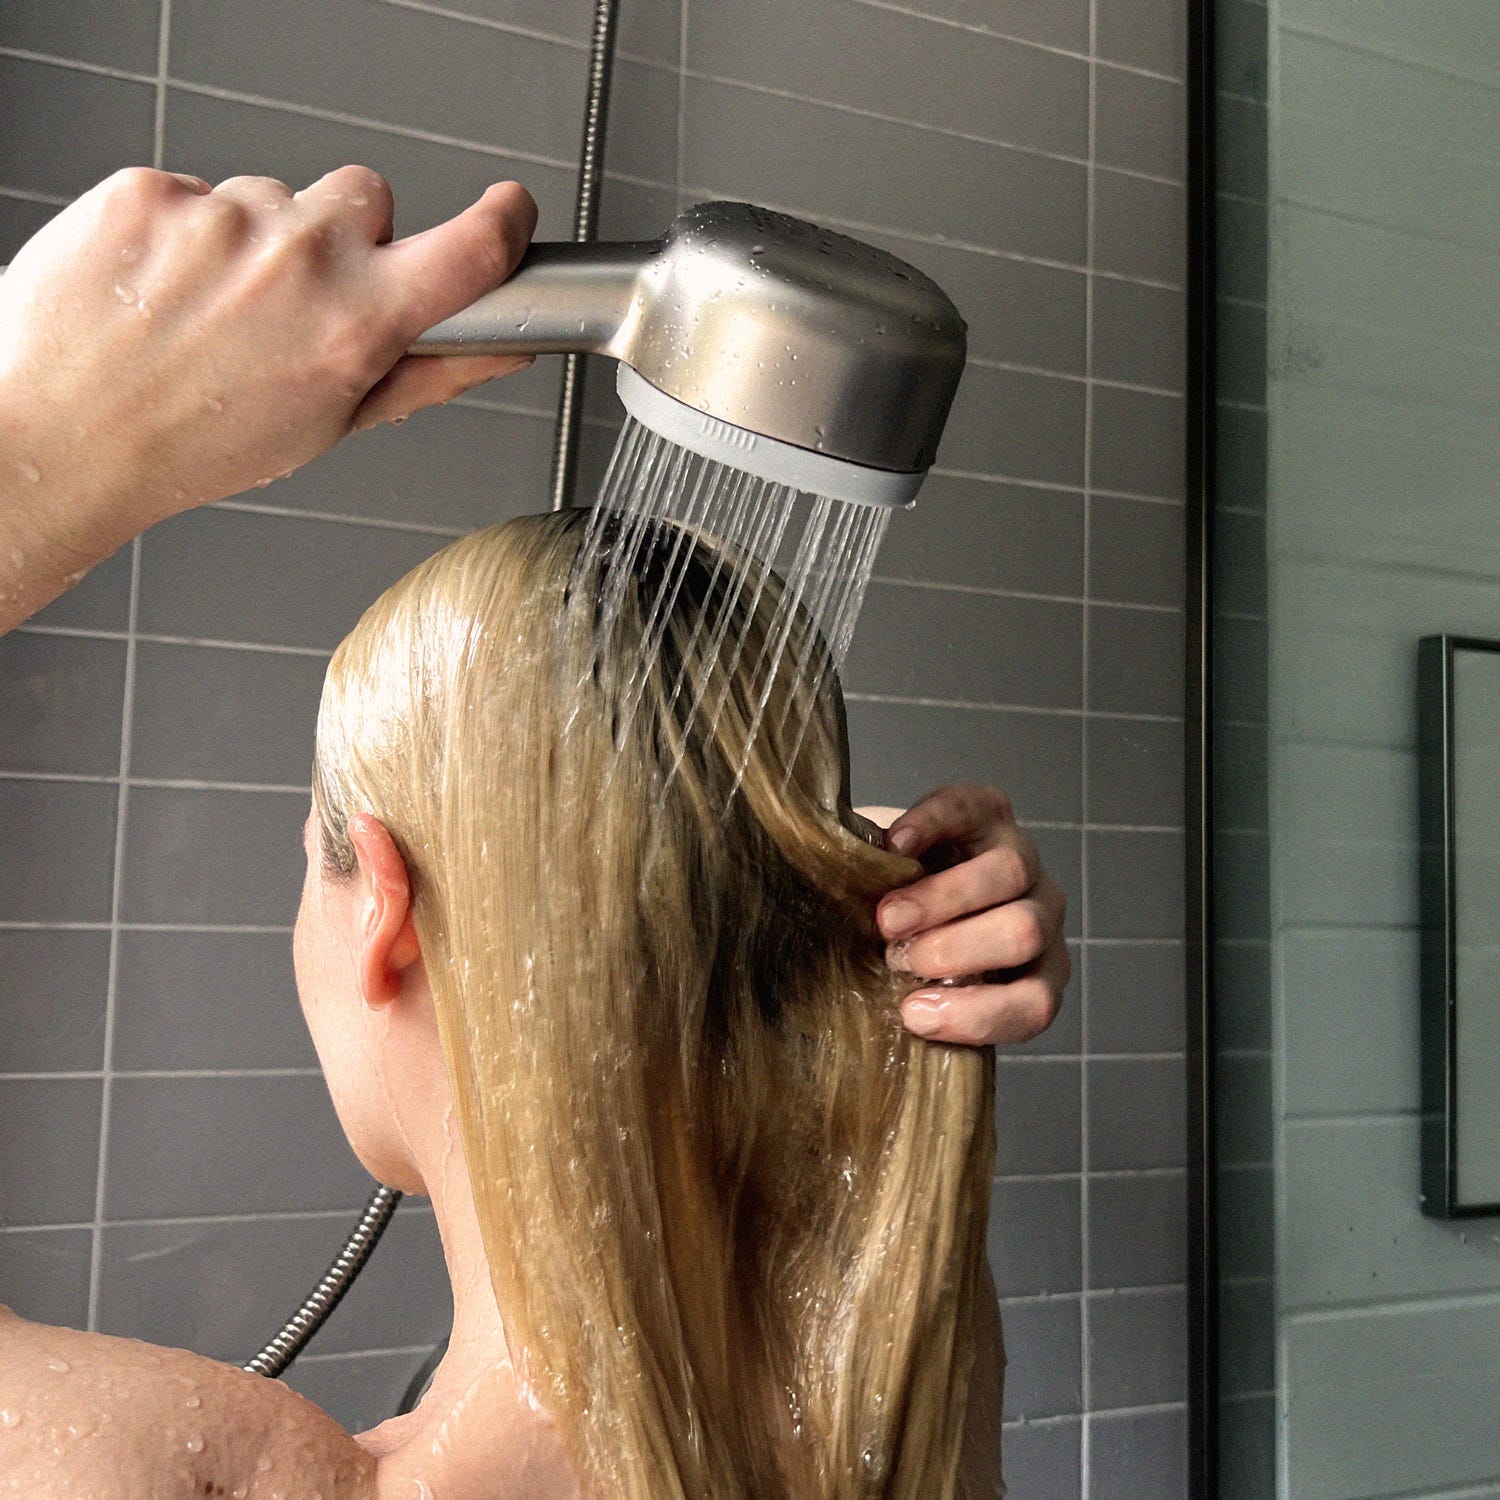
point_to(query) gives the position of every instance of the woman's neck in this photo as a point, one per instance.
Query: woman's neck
(477, 1431)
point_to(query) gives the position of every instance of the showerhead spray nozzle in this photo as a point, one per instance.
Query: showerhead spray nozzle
(754, 339)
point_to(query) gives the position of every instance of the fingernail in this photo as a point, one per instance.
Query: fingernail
(903, 840)
(921, 1016)
(899, 918)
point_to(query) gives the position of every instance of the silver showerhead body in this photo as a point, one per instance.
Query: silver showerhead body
(752, 338)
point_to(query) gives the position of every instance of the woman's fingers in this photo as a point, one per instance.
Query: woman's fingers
(964, 814)
(1005, 871)
(439, 272)
(1004, 937)
(419, 381)
(1010, 1010)
(356, 195)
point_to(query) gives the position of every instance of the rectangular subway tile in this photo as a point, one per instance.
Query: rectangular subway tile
(358, 1391)
(65, 130)
(38, 821)
(1140, 334)
(1136, 551)
(60, 704)
(1135, 660)
(449, 466)
(1137, 1350)
(208, 1000)
(977, 648)
(358, 59)
(887, 175)
(1137, 1230)
(1135, 771)
(989, 535)
(118, 34)
(1140, 123)
(431, 181)
(1135, 884)
(1138, 1453)
(20, 218)
(181, 1147)
(207, 713)
(52, 1000)
(1140, 228)
(223, 1288)
(1019, 312)
(902, 751)
(984, 437)
(213, 856)
(100, 601)
(44, 1275)
(1037, 1116)
(842, 52)
(1138, 443)
(1136, 997)
(1043, 1369)
(1137, 1113)
(1042, 1460)
(49, 1168)
(271, 580)
(1061, 851)
(1034, 1237)
(1143, 34)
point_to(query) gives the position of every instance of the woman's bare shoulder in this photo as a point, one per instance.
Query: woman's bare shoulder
(87, 1413)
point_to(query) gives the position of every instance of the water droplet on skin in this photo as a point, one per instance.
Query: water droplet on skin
(125, 293)
(355, 203)
(130, 254)
(59, 1366)
(194, 1444)
(261, 484)
(143, 308)
(263, 1464)
(10, 1418)
(214, 404)
(29, 472)
(193, 1402)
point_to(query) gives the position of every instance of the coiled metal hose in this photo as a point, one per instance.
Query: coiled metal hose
(585, 223)
(329, 1292)
(348, 1263)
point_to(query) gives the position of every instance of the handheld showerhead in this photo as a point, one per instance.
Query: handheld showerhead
(754, 339)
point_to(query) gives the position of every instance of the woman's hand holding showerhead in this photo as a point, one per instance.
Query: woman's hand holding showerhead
(989, 925)
(164, 344)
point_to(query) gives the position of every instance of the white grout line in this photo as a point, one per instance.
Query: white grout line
(1019, 41)
(26, 195)
(117, 882)
(158, 1073)
(344, 1356)
(1085, 1385)
(1016, 708)
(682, 62)
(379, 523)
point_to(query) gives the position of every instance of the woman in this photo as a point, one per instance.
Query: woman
(81, 1413)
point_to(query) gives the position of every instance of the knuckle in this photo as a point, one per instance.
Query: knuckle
(1027, 932)
(1011, 868)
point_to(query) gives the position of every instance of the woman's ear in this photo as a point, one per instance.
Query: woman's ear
(385, 938)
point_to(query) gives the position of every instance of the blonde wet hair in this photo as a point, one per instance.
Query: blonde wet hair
(734, 1213)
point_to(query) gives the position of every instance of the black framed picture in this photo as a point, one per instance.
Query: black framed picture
(1458, 696)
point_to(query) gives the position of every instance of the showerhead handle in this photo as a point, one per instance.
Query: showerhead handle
(749, 318)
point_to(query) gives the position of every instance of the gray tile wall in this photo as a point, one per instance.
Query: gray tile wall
(1026, 627)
